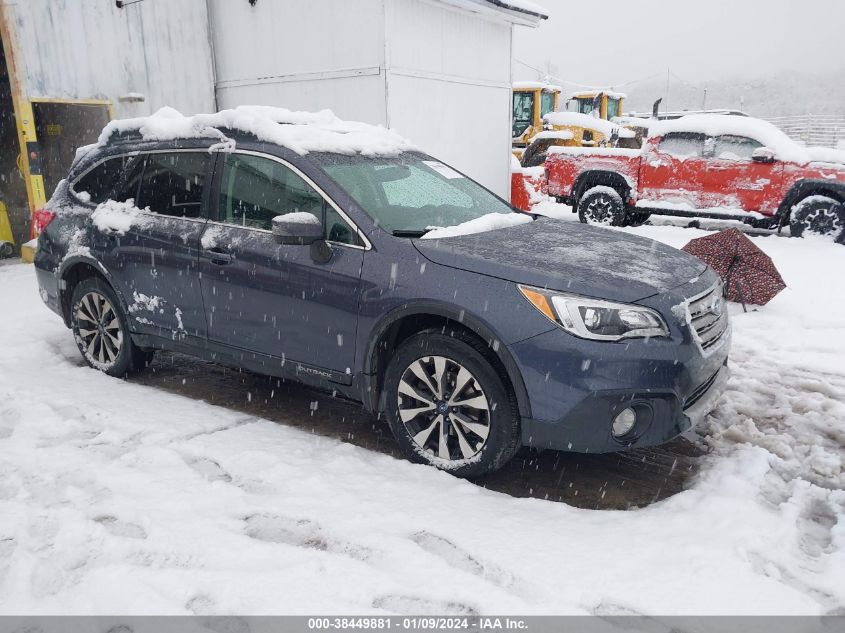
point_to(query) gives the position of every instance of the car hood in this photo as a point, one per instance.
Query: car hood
(570, 257)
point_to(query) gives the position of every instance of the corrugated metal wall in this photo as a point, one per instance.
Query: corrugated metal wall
(302, 56)
(90, 49)
(448, 86)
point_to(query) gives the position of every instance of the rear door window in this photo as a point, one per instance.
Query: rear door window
(97, 183)
(682, 144)
(172, 183)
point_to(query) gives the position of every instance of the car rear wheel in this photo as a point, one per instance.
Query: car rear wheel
(448, 407)
(817, 215)
(601, 205)
(101, 331)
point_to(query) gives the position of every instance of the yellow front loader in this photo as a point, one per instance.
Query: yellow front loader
(532, 100)
(607, 103)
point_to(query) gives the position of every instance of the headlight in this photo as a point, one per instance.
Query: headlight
(596, 319)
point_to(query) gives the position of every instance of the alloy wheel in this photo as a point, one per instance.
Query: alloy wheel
(599, 210)
(444, 409)
(822, 221)
(99, 329)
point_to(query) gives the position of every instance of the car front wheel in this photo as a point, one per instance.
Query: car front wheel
(448, 406)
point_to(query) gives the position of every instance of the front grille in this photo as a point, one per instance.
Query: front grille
(708, 317)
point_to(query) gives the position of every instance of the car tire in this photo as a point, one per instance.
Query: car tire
(603, 206)
(817, 215)
(101, 330)
(469, 432)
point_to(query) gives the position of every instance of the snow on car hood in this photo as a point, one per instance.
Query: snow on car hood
(570, 257)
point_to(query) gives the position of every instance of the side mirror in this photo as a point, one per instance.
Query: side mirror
(299, 227)
(763, 155)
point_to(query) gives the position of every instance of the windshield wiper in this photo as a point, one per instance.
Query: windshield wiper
(409, 233)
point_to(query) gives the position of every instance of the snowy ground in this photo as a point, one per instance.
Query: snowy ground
(119, 498)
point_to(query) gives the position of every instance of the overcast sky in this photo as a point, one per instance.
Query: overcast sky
(609, 42)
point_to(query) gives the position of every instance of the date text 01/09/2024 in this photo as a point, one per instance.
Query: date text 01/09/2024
(430, 623)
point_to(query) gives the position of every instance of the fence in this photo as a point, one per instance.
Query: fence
(827, 130)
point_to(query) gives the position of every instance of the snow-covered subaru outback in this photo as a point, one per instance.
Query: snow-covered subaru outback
(336, 255)
(706, 165)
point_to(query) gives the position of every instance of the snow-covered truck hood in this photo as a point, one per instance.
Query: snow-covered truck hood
(570, 257)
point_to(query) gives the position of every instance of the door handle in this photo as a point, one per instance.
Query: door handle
(219, 256)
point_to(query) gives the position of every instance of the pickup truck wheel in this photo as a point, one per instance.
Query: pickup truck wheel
(602, 205)
(447, 406)
(817, 215)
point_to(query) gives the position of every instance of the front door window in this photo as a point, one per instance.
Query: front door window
(256, 189)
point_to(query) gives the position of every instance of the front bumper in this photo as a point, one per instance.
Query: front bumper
(577, 387)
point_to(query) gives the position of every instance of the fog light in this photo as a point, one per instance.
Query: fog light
(623, 422)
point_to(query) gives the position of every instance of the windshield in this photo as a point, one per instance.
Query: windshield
(411, 193)
(523, 112)
(547, 103)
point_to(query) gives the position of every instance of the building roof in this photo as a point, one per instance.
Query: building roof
(522, 12)
(521, 6)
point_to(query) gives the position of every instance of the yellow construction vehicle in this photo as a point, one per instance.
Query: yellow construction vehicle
(586, 122)
(532, 100)
(606, 102)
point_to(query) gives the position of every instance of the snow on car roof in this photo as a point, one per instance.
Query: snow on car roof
(718, 124)
(301, 132)
(585, 120)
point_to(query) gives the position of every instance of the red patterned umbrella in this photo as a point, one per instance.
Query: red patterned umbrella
(748, 273)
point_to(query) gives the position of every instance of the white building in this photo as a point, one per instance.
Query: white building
(438, 71)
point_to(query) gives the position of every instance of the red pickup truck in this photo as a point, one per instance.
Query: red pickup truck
(711, 166)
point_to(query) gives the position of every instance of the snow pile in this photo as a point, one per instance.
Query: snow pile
(576, 119)
(826, 155)
(489, 222)
(633, 120)
(301, 132)
(595, 151)
(118, 217)
(592, 93)
(536, 85)
(562, 135)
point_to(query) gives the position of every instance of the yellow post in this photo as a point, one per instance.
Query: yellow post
(25, 121)
(5, 227)
(31, 164)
